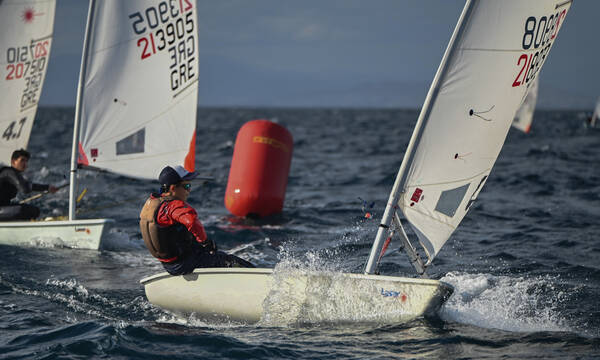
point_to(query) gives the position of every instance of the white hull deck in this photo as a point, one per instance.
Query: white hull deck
(287, 297)
(77, 234)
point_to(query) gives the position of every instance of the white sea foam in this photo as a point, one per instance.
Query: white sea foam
(46, 242)
(44, 171)
(117, 240)
(71, 293)
(87, 301)
(505, 303)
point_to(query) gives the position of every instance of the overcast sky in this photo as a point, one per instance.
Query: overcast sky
(359, 53)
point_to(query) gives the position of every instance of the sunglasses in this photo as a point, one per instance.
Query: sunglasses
(187, 187)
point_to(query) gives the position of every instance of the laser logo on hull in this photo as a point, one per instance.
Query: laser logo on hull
(394, 294)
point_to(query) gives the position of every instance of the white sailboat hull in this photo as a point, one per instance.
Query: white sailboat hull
(79, 234)
(261, 295)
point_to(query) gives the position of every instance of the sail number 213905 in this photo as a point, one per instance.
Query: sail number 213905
(538, 37)
(168, 27)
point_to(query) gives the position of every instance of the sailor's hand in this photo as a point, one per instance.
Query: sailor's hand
(52, 189)
(209, 245)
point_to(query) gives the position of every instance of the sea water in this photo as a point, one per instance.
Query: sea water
(524, 262)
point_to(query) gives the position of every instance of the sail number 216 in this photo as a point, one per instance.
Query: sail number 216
(538, 34)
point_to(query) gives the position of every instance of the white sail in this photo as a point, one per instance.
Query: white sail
(524, 115)
(25, 41)
(596, 114)
(497, 48)
(500, 48)
(138, 108)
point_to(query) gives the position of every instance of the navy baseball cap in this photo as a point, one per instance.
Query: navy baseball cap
(170, 175)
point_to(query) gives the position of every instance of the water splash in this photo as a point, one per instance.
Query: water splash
(118, 240)
(505, 303)
(313, 288)
(251, 251)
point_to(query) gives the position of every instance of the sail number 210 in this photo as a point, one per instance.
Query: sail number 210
(538, 34)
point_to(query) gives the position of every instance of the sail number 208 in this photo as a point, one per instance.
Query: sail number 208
(538, 34)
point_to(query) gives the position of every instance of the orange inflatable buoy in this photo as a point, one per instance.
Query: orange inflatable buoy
(259, 169)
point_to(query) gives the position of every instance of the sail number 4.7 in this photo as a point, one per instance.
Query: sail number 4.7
(168, 26)
(538, 37)
(11, 133)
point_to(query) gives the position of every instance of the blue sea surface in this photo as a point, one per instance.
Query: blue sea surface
(524, 262)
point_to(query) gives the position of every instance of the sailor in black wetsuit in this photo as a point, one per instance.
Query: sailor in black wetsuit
(12, 182)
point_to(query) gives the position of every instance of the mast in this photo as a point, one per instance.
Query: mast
(398, 188)
(80, 90)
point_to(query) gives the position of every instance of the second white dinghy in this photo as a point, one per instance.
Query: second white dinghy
(479, 85)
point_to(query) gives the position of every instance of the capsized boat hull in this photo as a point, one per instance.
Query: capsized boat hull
(77, 234)
(286, 297)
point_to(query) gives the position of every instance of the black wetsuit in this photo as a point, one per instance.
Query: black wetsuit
(11, 183)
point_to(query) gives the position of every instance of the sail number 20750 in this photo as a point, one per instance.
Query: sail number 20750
(27, 64)
(538, 34)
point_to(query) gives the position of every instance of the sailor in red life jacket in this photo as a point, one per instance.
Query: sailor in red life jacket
(171, 229)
